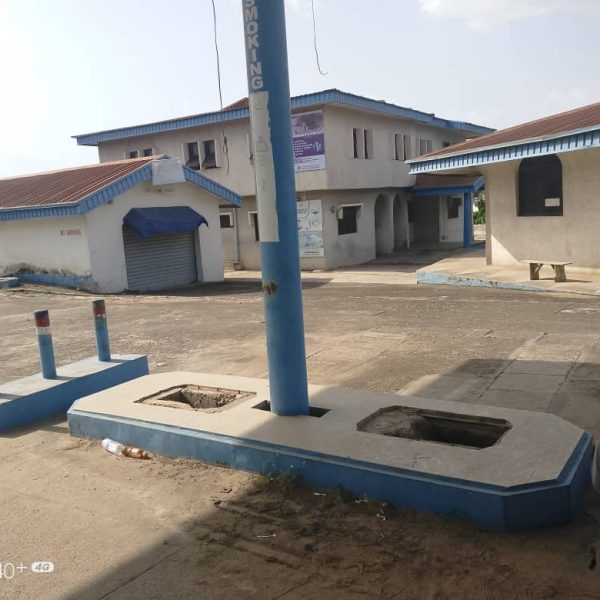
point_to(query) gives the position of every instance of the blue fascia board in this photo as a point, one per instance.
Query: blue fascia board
(449, 190)
(517, 151)
(298, 102)
(107, 193)
(212, 186)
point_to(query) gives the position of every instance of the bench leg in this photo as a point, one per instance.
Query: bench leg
(534, 270)
(560, 274)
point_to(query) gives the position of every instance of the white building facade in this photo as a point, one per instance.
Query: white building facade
(72, 227)
(353, 186)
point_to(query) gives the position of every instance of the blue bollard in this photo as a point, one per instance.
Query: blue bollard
(44, 335)
(102, 342)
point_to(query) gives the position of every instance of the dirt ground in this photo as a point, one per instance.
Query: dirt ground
(120, 528)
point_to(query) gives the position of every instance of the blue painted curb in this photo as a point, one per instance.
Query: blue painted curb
(9, 282)
(521, 507)
(435, 278)
(17, 410)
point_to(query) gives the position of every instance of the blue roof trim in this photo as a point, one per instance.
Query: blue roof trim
(306, 101)
(211, 186)
(517, 151)
(449, 190)
(107, 193)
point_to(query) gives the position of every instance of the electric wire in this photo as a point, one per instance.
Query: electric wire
(312, 3)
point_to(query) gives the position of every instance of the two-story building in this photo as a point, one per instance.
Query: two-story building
(356, 198)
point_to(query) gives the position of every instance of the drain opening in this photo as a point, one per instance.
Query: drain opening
(313, 411)
(195, 397)
(435, 426)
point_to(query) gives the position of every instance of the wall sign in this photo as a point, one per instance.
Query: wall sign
(310, 228)
(309, 141)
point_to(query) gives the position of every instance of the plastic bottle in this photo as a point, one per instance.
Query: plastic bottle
(113, 447)
(134, 452)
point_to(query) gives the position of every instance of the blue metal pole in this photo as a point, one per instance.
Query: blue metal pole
(102, 342)
(270, 115)
(468, 220)
(44, 335)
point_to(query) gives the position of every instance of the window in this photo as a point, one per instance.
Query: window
(406, 145)
(445, 144)
(453, 206)
(253, 218)
(368, 143)
(357, 143)
(429, 145)
(133, 154)
(147, 152)
(422, 146)
(192, 155)
(209, 155)
(540, 187)
(347, 220)
(396, 146)
(226, 220)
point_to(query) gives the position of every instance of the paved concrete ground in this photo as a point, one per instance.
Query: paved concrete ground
(120, 528)
(470, 264)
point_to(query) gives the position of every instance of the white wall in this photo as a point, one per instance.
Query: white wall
(451, 230)
(342, 171)
(56, 246)
(571, 237)
(104, 226)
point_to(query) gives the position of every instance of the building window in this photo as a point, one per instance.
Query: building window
(540, 187)
(357, 143)
(368, 143)
(133, 154)
(192, 155)
(397, 146)
(347, 220)
(453, 206)
(422, 146)
(147, 152)
(406, 145)
(226, 220)
(209, 155)
(445, 144)
(429, 145)
(253, 217)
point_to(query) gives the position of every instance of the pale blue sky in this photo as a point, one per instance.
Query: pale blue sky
(75, 66)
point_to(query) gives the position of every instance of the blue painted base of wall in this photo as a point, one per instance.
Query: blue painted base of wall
(8, 282)
(516, 508)
(435, 278)
(71, 281)
(31, 399)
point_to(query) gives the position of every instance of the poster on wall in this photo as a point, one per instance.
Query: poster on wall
(309, 141)
(310, 228)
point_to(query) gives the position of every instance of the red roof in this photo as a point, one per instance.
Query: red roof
(66, 186)
(552, 126)
(426, 181)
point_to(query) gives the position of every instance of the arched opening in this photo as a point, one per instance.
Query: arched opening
(400, 223)
(540, 187)
(384, 231)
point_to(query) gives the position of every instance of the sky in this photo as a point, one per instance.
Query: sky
(76, 66)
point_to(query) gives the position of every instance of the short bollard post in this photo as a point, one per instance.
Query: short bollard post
(44, 335)
(102, 343)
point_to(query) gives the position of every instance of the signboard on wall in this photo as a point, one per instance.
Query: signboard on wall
(309, 141)
(310, 228)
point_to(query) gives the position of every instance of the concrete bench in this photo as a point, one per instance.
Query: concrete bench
(559, 269)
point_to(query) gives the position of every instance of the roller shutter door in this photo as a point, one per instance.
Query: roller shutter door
(159, 262)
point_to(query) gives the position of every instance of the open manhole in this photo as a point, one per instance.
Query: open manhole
(196, 397)
(435, 426)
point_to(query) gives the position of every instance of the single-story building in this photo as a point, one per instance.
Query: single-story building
(142, 224)
(542, 187)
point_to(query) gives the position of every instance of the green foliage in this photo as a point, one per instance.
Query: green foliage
(479, 217)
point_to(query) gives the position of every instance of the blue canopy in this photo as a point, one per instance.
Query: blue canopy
(173, 219)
